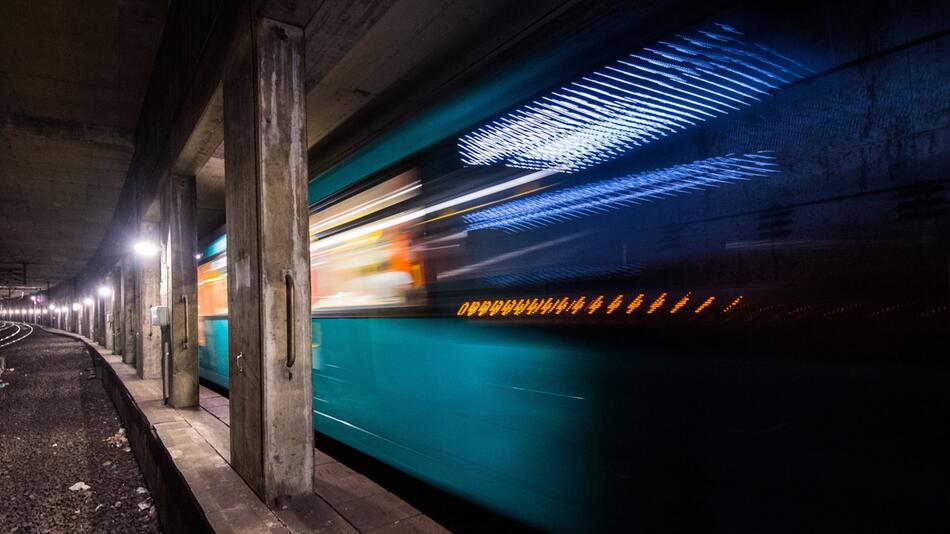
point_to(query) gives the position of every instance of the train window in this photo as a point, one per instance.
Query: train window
(213, 287)
(362, 249)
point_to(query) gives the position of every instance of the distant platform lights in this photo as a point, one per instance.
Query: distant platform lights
(599, 197)
(659, 91)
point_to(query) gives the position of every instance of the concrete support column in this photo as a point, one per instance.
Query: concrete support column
(84, 323)
(128, 310)
(148, 339)
(268, 261)
(89, 314)
(74, 314)
(108, 315)
(118, 310)
(179, 215)
(97, 318)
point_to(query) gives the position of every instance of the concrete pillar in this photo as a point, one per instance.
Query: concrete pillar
(83, 318)
(268, 261)
(89, 314)
(97, 317)
(92, 327)
(118, 308)
(128, 310)
(148, 339)
(73, 313)
(108, 312)
(179, 215)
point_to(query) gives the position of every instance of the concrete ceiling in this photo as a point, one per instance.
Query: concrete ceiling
(72, 79)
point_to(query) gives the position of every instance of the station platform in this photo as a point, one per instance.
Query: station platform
(184, 455)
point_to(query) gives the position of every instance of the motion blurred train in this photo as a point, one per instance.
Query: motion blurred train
(695, 280)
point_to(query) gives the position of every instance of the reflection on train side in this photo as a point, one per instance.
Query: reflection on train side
(366, 267)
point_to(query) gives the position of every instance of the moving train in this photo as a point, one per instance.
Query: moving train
(642, 294)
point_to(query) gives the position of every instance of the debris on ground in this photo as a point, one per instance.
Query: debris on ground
(118, 439)
(140, 490)
(79, 486)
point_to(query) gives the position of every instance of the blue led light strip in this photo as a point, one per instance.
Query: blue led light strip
(562, 273)
(607, 195)
(651, 94)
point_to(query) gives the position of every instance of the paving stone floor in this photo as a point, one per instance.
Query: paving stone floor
(64, 463)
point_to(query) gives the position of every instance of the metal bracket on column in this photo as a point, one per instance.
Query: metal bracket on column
(184, 341)
(291, 350)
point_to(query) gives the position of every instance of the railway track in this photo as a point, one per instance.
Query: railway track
(13, 332)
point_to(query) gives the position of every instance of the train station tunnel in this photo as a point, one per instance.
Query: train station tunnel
(474, 266)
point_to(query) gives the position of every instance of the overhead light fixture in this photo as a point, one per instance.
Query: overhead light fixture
(666, 88)
(105, 291)
(146, 249)
(77, 306)
(87, 301)
(607, 195)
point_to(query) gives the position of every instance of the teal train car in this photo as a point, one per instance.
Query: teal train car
(646, 294)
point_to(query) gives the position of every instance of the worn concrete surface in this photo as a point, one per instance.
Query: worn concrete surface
(73, 77)
(58, 428)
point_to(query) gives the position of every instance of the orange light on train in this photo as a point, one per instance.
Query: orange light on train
(534, 306)
(704, 305)
(614, 304)
(634, 304)
(577, 305)
(595, 305)
(473, 308)
(680, 303)
(733, 304)
(520, 306)
(657, 303)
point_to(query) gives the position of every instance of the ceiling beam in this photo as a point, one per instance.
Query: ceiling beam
(84, 132)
